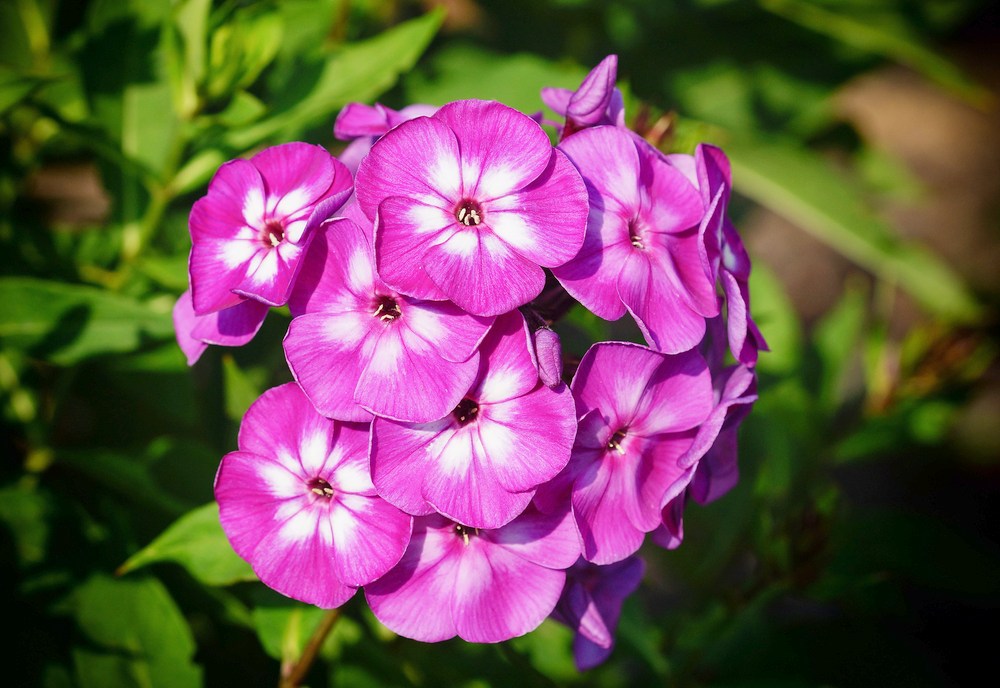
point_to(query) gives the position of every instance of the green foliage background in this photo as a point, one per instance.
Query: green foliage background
(859, 547)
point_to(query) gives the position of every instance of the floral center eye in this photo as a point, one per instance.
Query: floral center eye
(615, 443)
(274, 233)
(386, 309)
(320, 488)
(634, 236)
(469, 213)
(466, 411)
(465, 531)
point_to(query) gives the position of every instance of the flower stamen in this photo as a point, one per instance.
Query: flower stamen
(469, 213)
(466, 411)
(274, 233)
(615, 443)
(320, 488)
(386, 309)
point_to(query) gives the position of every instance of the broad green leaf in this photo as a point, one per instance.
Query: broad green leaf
(774, 314)
(196, 542)
(242, 388)
(65, 323)
(837, 338)
(241, 49)
(465, 70)
(197, 171)
(884, 34)
(167, 271)
(127, 475)
(141, 638)
(359, 72)
(800, 185)
(185, 44)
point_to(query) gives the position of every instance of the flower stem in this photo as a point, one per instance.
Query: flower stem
(296, 673)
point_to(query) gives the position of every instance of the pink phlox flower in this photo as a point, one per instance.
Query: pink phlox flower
(359, 347)
(297, 502)
(469, 205)
(482, 585)
(644, 250)
(480, 464)
(250, 231)
(591, 604)
(362, 125)
(639, 414)
(595, 102)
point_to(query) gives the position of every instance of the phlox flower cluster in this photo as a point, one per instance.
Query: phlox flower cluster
(432, 449)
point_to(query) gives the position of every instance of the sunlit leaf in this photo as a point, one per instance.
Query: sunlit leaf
(196, 542)
(139, 636)
(801, 186)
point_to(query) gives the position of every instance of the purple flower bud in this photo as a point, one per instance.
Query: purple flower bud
(549, 354)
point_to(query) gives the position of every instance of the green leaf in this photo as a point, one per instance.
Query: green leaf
(285, 626)
(878, 32)
(127, 475)
(803, 187)
(66, 323)
(466, 70)
(15, 87)
(359, 72)
(142, 638)
(196, 542)
(774, 314)
(185, 45)
(242, 48)
(242, 388)
(837, 339)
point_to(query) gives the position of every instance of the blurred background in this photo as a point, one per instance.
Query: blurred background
(859, 548)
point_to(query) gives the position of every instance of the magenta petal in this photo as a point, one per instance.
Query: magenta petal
(498, 595)
(545, 221)
(714, 172)
(404, 229)
(184, 321)
(613, 377)
(419, 159)
(557, 99)
(271, 273)
(414, 599)
(507, 367)
(598, 499)
(337, 273)
(405, 378)
(550, 540)
(357, 120)
(370, 536)
(481, 274)
(285, 545)
(529, 439)
(282, 423)
(233, 326)
(502, 150)
(667, 322)
(548, 353)
(589, 103)
(451, 332)
(678, 397)
(400, 456)
(297, 175)
(322, 353)
(460, 483)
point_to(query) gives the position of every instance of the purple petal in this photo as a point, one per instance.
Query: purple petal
(404, 229)
(233, 326)
(613, 377)
(414, 599)
(589, 103)
(270, 275)
(322, 350)
(419, 160)
(670, 534)
(282, 423)
(338, 273)
(369, 534)
(400, 455)
(184, 321)
(297, 176)
(678, 397)
(357, 120)
(599, 497)
(557, 99)
(481, 274)
(714, 172)
(498, 595)
(406, 379)
(502, 150)
(223, 239)
(285, 541)
(545, 221)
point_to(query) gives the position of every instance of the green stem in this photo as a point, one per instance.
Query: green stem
(298, 671)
